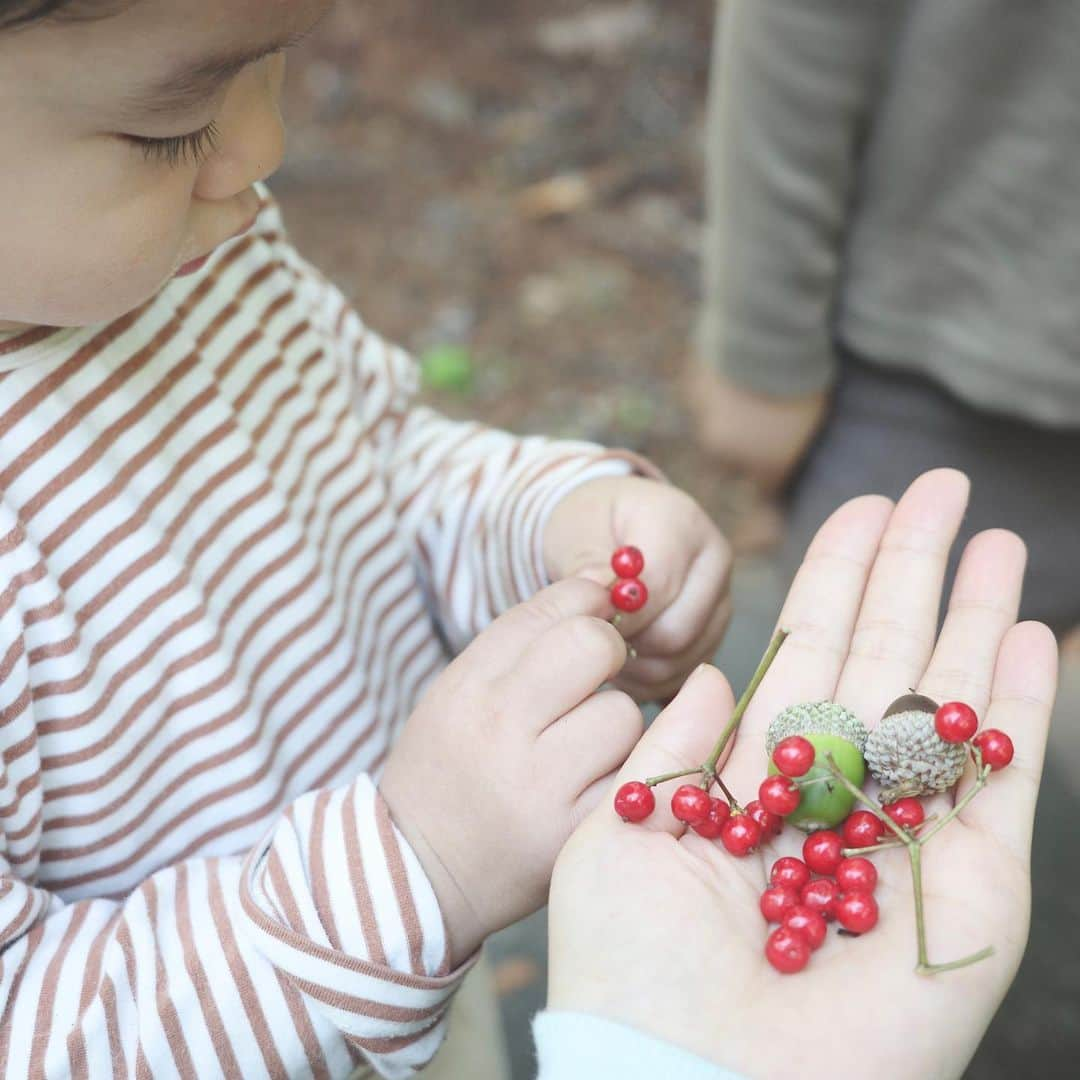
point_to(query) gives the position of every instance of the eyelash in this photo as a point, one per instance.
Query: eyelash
(179, 150)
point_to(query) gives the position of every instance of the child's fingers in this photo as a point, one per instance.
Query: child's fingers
(656, 679)
(559, 669)
(596, 738)
(983, 606)
(1021, 699)
(897, 623)
(681, 626)
(499, 648)
(681, 737)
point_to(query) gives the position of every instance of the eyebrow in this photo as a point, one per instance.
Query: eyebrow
(190, 86)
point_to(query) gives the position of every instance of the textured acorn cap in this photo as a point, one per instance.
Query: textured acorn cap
(908, 758)
(816, 718)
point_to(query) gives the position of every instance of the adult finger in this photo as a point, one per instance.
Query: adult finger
(680, 738)
(983, 606)
(819, 615)
(1021, 700)
(897, 624)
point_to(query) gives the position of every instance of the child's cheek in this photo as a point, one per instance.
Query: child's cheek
(117, 263)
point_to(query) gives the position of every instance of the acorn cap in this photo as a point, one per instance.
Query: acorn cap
(908, 758)
(816, 718)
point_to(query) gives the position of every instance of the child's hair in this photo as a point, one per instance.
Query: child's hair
(22, 12)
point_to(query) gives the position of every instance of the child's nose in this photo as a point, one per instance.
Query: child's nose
(252, 135)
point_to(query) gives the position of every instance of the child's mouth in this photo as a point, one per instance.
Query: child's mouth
(192, 267)
(199, 263)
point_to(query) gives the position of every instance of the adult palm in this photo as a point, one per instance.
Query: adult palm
(655, 927)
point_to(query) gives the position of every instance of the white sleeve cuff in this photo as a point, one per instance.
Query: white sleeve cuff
(570, 1046)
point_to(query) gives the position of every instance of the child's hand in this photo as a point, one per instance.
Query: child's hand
(760, 436)
(687, 570)
(508, 751)
(660, 929)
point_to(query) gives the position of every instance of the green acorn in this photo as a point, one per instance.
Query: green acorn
(831, 729)
(907, 756)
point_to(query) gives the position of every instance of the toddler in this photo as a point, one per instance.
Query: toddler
(249, 824)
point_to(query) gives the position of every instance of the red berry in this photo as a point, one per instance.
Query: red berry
(955, 722)
(907, 813)
(822, 851)
(771, 824)
(821, 896)
(996, 748)
(856, 875)
(857, 912)
(719, 812)
(794, 756)
(863, 829)
(691, 804)
(790, 872)
(627, 562)
(776, 901)
(806, 921)
(787, 950)
(634, 801)
(629, 594)
(779, 795)
(740, 834)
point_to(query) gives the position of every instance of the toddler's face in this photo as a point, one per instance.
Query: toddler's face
(129, 145)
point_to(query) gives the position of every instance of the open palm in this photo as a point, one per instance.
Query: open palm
(660, 929)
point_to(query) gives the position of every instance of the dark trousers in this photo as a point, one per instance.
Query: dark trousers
(888, 427)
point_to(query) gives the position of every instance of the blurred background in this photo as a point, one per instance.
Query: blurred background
(512, 189)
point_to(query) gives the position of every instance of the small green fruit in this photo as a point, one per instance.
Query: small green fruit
(831, 729)
(447, 367)
(826, 803)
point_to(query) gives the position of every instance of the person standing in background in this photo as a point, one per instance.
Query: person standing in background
(892, 272)
(893, 262)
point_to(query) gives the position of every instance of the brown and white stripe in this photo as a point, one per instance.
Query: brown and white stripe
(231, 550)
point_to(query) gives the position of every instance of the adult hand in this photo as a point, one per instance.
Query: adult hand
(655, 927)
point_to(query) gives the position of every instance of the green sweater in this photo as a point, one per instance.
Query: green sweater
(901, 176)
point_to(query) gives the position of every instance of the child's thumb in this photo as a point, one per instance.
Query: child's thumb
(681, 737)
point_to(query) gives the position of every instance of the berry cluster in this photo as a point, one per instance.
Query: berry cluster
(843, 888)
(628, 591)
(833, 881)
(803, 904)
(956, 722)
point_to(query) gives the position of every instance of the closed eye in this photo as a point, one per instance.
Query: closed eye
(177, 150)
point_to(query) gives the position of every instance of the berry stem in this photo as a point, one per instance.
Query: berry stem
(736, 717)
(850, 853)
(952, 965)
(980, 783)
(914, 845)
(732, 801)
(915, 857)
(652, 781)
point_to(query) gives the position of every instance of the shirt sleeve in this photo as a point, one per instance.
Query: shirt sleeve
(573, 1045)
(793, 95)
(320, 949)
(471, 501)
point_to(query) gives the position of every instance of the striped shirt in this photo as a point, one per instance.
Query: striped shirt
(233, 552)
